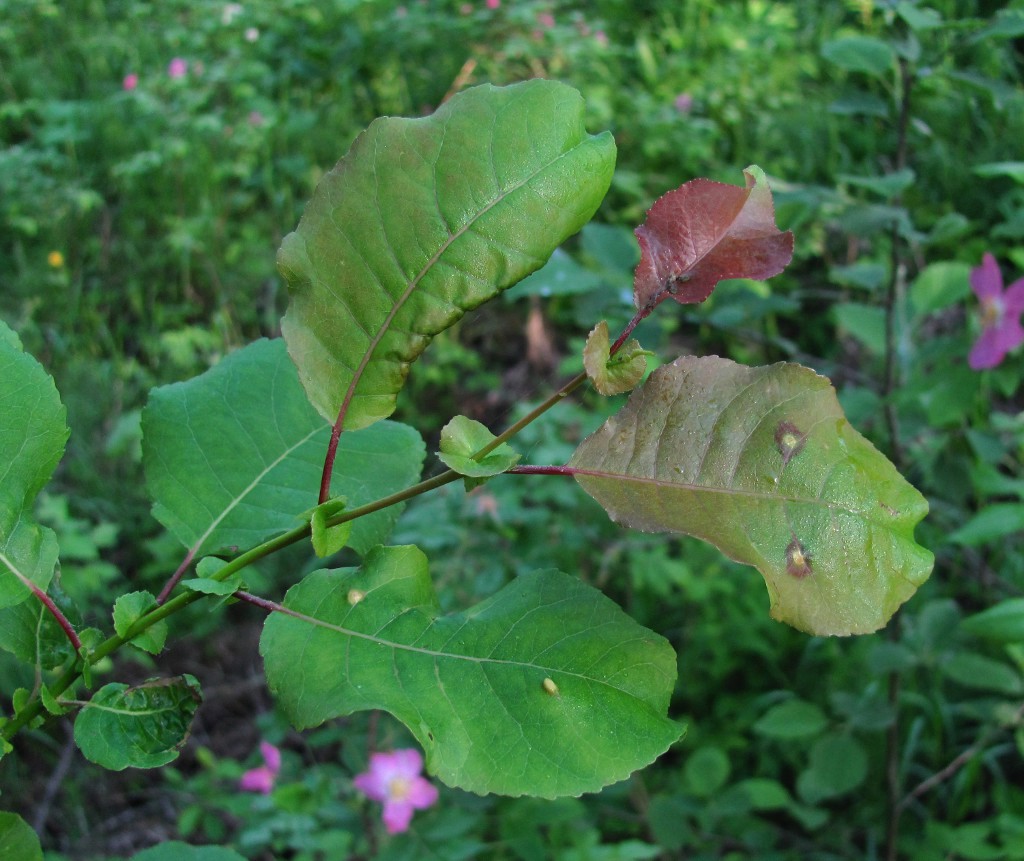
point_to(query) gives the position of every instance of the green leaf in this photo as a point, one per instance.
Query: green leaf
(613, 375)
(886, 186)
(426, 219)
(1012, 169)
(838, 765)
(982, 673)
(706, 771)
(940, 285)
(140, 727)
(128, 609)
(860, 54)
(792, 719)
(919, 17)
(18, 842)
(547, 688)
(463, 437)
(33, 431)
(328, 540)
(762, 463)
(866, 323)
(222, 590)
(560, 276)
(992, 523)
(30, 632)
(1004, 622)
(234, 454)
(174, 850)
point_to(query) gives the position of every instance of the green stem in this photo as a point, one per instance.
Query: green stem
(74, 673)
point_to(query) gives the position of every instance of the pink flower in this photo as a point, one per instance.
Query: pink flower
(394, 780)
(262, 779)
(130, 82)
(177, 68)
(684, 103)
(546, 19)
(493, 4)
(1001, 330)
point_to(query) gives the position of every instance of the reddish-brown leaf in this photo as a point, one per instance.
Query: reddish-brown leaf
(704, 232)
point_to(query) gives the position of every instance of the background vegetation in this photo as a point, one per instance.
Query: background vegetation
(154, 154)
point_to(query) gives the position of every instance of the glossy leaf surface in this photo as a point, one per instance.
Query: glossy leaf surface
(33, 431)
(425, 219)
(139, 727)
(547, 688)
(705, 232)
(762, 463)
(232, 456)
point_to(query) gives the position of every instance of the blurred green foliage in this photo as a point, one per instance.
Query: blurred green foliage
(139, 219)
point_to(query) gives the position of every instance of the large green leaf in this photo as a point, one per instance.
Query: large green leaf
(425, 219)
(762, 463)
(140, 727)
(33, 431)
(30, 632)
(234, 455)
(547, 688)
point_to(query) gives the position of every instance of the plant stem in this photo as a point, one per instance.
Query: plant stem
(54, 610)
(71, 676)
(893, 302)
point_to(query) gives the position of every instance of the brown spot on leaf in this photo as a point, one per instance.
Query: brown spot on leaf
(789, 440)
(798, 560)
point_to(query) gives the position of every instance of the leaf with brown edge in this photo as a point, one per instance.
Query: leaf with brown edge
(705, 232)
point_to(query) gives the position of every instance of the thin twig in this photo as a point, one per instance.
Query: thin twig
(55, 781)
(54, 610)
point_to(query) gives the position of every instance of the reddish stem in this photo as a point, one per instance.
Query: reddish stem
(176, 577)
(542, 470)
(62, 620)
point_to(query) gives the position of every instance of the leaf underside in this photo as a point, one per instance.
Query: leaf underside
(547, 688)
(233, 455)
(425, 219)
(762, 463)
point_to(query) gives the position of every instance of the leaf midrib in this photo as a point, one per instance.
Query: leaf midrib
(428, 266)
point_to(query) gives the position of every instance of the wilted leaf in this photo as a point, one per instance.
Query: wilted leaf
(33, 432)
(762, 463)
(233, 455)
(140, 727)
(426, 219)
(546, 689)
(705, 232)
(613, 375)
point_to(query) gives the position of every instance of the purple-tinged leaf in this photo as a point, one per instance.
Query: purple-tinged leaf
(705, 232)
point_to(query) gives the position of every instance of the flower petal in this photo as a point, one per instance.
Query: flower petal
(257, 780)
(987, 280)
(406, 762)
(1013, 299)
(397, 816)
(421, 794)
(987, 351)
(372, 785)
(271, 756)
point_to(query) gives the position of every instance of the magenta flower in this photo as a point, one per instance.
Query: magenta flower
(262, 779)
(493, 4)
(130, 82)
(394, 780)
(177, 68)
(1001, 310)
